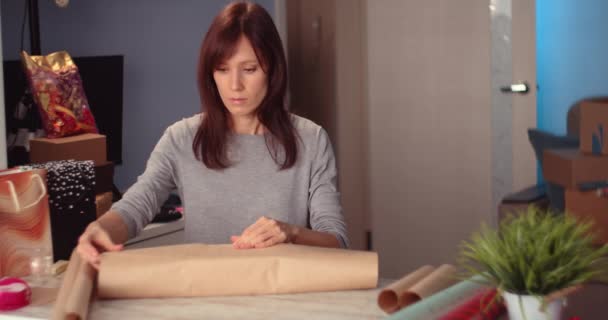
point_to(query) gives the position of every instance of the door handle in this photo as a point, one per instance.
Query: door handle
(520, 87)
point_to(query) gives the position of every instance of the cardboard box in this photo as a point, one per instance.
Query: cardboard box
(103, 202)
(589, 206)
(518, 202)
(570, 167)
(104, 177)
(88, 146)
(594, 126)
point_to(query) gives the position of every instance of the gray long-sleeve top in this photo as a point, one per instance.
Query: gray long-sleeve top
(221, 203)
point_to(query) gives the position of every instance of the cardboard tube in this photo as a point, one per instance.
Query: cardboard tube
(438, 280)
(389, 298)
(77, 303)
(75, 292)
(66, 287)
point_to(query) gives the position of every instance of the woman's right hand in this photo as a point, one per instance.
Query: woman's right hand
(93, 242)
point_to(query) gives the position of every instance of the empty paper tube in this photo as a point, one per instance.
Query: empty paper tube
(74, 295)
(415, 286)
(220, 270)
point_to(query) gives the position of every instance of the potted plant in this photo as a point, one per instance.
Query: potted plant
(532, 257)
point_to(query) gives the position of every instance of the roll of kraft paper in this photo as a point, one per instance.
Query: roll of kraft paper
(437, 304)
(220, 270)
(415, 286)
(391, 299)
(76, 290)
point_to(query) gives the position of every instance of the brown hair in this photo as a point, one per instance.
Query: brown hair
(252, 21)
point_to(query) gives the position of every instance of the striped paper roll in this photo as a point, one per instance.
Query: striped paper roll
(484, 305)
(436, 305)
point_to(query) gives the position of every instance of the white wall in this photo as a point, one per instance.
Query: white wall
(429, 125)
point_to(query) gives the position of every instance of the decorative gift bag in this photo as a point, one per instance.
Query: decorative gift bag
(25, 227)
(71, 189)
(57, 90)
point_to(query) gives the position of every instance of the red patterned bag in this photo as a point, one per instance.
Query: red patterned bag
(57, 90)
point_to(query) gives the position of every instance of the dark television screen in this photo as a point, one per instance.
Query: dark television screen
(102, 79)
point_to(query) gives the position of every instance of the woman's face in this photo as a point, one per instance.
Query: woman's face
(240, 80)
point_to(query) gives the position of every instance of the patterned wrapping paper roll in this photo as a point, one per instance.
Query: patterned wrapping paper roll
(437, 304)
(484, 305)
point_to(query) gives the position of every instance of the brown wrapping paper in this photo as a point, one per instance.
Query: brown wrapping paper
(75, 292)
(219, 270)
(391, 297)
(416, 286)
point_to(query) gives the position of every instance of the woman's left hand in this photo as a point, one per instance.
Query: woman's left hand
(265, 232)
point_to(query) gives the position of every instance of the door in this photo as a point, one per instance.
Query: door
(445, 144)
(523, 64)
(326, 66)
(3, 158)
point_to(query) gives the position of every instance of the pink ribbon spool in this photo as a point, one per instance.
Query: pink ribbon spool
(14, 294)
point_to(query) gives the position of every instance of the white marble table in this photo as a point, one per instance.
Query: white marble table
(356, 304)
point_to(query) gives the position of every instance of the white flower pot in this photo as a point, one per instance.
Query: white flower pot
(530, 308)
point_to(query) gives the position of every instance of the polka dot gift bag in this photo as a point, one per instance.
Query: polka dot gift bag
(71, 192)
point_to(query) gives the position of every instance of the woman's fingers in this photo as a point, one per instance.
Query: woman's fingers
(264, 230)
(271, 242)
(102, 239)
(94, 241)
(238, 243)
(263, 233)
(88, 252)
(271, 233)
(253, 229)
(264, 236)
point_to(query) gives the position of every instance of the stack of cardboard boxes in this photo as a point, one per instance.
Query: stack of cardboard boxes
(86, 146)
(583, 172)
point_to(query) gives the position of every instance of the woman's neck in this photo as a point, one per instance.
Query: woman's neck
(247, 125)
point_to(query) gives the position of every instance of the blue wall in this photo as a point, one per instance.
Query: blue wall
(160, 41)
(572, 57)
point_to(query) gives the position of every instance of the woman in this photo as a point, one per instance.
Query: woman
(247, 171)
